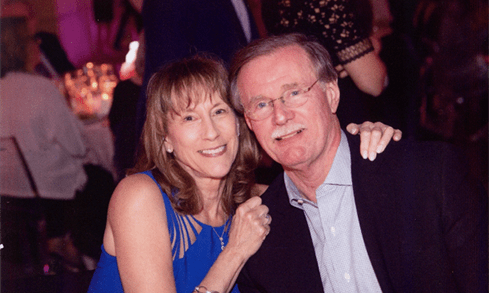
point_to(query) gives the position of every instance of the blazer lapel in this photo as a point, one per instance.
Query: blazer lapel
(289, 244)
(377, 208)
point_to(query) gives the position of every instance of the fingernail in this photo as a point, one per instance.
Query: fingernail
(372, 156)
(380, 148)
(364, 155)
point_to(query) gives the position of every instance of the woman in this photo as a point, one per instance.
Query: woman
(177, 227)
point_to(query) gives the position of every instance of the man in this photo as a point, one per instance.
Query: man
(408, 222)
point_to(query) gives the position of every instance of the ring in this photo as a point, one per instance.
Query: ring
(268, 219)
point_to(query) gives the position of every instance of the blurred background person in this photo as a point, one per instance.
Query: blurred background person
(362, 74)
(33, 111)
(452, 40)
(131, 20)
(122, 115)
(54, 62)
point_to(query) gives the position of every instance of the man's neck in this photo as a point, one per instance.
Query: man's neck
(307, 178)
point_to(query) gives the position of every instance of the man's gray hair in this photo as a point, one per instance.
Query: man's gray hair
(318, 55)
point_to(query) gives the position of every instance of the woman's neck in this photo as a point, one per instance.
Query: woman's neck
(212, 212)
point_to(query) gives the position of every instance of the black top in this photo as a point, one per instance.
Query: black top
(333, 23)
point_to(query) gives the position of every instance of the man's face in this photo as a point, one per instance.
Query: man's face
(299, 137)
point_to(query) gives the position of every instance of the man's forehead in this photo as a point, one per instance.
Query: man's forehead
(286, 59)
(290, 64)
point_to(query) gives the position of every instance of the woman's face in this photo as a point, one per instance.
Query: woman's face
(203, 138)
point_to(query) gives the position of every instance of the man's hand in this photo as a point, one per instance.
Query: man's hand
(374, 137)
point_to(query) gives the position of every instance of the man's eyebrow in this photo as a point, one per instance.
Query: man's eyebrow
(283, 87)
(288, 86)
(256, 98)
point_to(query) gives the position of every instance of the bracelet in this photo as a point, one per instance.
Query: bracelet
(197, 290)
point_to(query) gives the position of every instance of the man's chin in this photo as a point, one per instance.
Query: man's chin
(291, 157)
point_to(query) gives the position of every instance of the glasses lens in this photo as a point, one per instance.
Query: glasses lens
(292, 98)
(260, 109)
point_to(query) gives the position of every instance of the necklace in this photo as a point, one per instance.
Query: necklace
(222, 235)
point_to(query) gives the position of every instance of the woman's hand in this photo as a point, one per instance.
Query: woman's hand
(374, 137)
(250, 226)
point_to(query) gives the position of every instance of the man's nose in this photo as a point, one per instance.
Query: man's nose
(281, 113)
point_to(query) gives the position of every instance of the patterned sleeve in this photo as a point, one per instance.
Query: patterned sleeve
(331, 21)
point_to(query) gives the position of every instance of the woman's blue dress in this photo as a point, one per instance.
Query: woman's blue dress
(195, 247)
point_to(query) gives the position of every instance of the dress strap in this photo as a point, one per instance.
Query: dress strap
(183, 229)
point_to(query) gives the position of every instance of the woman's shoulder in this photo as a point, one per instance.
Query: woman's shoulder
(137, 181)
(136, 212)
(134, 192)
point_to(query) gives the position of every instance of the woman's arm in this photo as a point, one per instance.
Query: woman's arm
(347, 38)
(137, 234)
(368, 73)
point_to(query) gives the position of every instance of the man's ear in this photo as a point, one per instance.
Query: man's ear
(333, 95)
(248, 122)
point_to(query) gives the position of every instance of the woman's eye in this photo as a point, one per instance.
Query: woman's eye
(188, 118)
(220, 111)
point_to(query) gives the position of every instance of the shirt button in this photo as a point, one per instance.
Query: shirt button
(347, 277)
(300, 201)
(333, 231)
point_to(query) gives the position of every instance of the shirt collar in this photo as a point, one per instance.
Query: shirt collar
(339, 174)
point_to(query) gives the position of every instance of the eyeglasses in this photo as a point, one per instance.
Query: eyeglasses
(262, 108)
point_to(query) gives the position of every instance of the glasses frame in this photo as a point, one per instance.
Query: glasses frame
(250, 115)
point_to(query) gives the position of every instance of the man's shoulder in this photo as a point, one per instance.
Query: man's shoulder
(275, 188)
(407, 149)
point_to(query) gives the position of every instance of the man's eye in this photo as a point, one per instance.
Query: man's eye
(188, 118)
(261, 105)
(294, 93)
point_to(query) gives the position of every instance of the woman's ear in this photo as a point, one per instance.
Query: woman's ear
(167, 145)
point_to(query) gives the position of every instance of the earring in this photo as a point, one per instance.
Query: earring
(237, 128)
(169, 149)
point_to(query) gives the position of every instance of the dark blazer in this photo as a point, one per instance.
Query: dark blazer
(423, 223)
